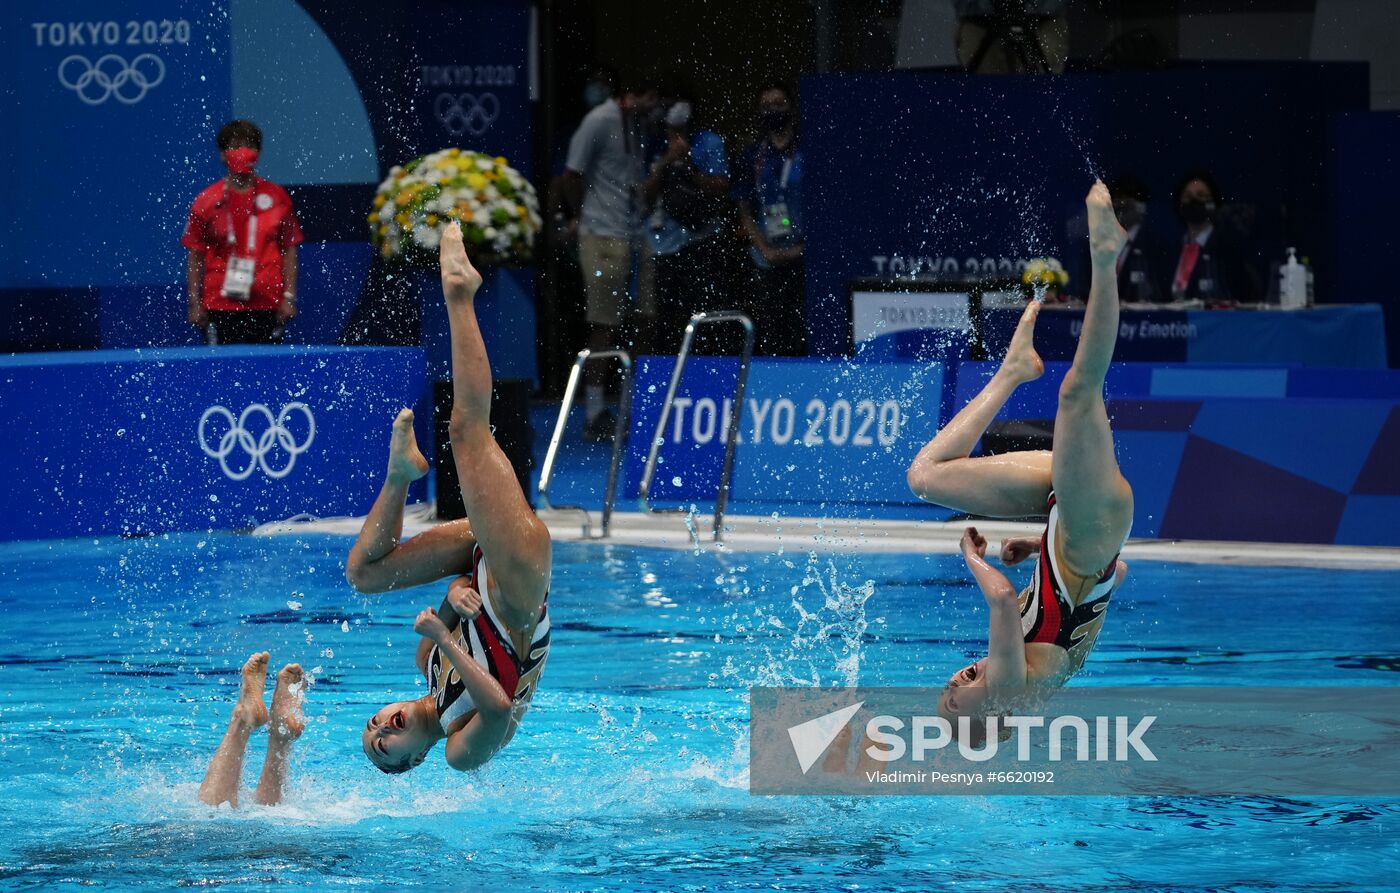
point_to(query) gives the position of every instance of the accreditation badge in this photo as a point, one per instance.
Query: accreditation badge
(777, 223)
(238, 278)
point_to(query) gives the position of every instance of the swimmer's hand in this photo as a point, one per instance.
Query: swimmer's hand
(973, 543)
(1015, 550)
(430, 626)
(465, 600)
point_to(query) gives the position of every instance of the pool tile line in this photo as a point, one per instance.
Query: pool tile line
(765, 533)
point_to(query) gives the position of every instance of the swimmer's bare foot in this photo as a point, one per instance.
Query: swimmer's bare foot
(1106, 235)
(287, 720)
(250, 712)
(460, 280)
(406, 462)
(1022, 363)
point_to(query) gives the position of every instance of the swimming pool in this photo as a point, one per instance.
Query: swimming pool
(120, 663)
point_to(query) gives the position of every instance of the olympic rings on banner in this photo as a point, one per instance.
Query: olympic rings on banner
(111, 77)
(467, 113)
(240, 439)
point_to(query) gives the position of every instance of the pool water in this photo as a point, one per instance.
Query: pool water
(120, 662)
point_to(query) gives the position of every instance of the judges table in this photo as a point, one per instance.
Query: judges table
(1334, 336)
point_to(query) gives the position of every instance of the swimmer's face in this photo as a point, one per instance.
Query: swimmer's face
(397, 738)
(964, 694)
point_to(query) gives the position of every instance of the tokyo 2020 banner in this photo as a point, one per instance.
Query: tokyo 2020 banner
(113, 108)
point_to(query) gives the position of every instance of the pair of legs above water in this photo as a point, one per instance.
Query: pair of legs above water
(1095, 501)
(250, 713)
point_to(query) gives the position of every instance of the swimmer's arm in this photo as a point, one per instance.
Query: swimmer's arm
(477, 742)
(486, 693)
(1006, 651)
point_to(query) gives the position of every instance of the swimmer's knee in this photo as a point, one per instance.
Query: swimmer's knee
(363, 577)
(926, 479)
(1079, 389)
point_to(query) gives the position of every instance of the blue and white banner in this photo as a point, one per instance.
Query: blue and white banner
(196, 438)
(811, 431)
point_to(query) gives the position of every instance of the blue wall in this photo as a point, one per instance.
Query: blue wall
(166, 452)
(919, 166)
(343, 89)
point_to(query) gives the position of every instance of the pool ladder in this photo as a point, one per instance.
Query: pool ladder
(731, 426)
(620, 432)
(619, 438)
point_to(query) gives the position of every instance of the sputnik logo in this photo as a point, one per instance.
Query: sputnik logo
(811, 738)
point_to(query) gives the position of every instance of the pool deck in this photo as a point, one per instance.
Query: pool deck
(766, 533)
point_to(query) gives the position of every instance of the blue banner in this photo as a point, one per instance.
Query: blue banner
(811, 431)
(196, 438)
(113, 110)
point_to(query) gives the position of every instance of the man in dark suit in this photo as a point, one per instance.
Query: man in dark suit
(1213, 263)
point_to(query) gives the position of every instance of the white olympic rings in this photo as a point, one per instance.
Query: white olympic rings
(467, 113)
(111, 77)
(239, 437)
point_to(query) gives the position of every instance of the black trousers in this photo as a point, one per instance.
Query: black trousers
(245, 327)
(693, 280)
(778, 307)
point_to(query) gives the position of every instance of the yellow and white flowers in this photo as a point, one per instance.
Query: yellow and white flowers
(498, 208)
(1044, 271)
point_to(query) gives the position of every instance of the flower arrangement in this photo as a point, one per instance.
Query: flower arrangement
(497, 207)
(1046, 278)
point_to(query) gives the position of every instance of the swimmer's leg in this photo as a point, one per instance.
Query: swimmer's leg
(378, 561)
(515, 541)
(1095, 501)
(226, 768)
(1006, 486)
(286, 727)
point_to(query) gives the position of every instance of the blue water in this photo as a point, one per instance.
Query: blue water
(119, 665)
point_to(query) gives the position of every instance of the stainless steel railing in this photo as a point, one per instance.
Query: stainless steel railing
(731, 428)
(619, 438)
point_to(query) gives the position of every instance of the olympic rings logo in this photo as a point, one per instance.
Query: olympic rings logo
(239, 438)
(111, 77)
(467, 113)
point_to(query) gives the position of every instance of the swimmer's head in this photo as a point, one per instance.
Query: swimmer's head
(399, 736)
(965, 694)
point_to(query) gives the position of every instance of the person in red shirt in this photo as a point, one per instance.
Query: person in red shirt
(242, 237)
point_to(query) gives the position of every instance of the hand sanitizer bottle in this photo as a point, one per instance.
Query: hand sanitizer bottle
(1293, 283)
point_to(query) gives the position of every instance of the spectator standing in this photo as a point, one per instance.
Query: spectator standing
(687, 191)
(242, 236)
(602, 176)
(1213, 263)
(769, 192)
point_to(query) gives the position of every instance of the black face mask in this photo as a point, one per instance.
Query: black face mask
(773, 122)
(1195, 211)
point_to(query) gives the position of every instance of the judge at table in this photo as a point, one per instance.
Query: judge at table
(1213, 262)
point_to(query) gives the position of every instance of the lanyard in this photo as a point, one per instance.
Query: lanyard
(787, 172)
(252, 222)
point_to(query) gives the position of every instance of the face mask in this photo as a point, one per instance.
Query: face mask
(1195, 211)
(595, 94)
(774, 121)
(241, 161)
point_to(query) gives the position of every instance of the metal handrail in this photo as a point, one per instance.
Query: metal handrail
(731, 429)
(619, 438)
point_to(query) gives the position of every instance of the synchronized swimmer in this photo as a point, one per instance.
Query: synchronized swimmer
(483, 651)
(1039, 638)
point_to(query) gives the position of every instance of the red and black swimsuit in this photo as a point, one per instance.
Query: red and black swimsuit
(1048, 614)
(488, 641)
